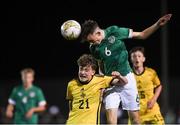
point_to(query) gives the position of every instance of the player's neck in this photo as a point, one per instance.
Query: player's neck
(27, 86)
(85, 82)
(139, 70)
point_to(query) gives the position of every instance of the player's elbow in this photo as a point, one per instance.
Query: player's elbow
(160, 87)
(142, 36)
(139, 35)
(44, 108)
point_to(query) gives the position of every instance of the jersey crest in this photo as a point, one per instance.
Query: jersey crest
(82, 93)
(32, 94)
(20, 94)
(111, 39)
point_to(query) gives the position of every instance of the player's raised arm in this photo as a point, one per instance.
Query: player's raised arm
(118, 79)
(150, 30)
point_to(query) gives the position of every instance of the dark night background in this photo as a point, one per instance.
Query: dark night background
(31, 38)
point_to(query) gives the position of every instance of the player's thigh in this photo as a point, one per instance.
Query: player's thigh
(112, 101)
(129, 95)
(130, 100)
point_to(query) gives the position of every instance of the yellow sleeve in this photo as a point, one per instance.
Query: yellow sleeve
(69, 92)
(108, 80)
(156, 81)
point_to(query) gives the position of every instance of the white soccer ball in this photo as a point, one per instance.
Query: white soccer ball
(71, 29)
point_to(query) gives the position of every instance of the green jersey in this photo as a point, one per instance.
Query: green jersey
(112, 50)
(24, 100)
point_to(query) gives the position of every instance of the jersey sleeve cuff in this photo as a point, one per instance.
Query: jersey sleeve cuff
(11, 101)
(42, 103)
(130, 33)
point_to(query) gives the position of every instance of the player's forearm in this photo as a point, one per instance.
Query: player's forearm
(10, 108)
(120, 80)
(39, 109)
(70, 104)
(123, 79)
(147, 32)
(157, 92)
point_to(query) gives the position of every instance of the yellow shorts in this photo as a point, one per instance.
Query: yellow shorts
(152, 119)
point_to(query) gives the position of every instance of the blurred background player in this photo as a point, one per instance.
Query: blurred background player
(107, 45)
(26, 100)
(84, 93)
(149, 88)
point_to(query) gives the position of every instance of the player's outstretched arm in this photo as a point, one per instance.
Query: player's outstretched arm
(150, 30)
(118, 79)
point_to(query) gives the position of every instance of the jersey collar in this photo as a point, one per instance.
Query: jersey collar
(140, 73)
(85, 83)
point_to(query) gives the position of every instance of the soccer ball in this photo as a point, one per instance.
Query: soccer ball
(70, 29)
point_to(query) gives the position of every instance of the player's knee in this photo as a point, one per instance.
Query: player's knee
(135, 120)
(112, 120)
(134, 117)
(112, 116)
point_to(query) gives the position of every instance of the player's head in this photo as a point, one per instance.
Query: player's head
(27, 76)
(87, 67)
(137, 55)
(91, 32)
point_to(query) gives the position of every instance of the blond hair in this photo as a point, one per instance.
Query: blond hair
(27, 70)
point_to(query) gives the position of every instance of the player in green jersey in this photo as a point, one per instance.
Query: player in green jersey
(26, 100)
(108, 46)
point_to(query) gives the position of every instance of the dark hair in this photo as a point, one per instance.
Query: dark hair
(138, 48)
(88, 27)
(87, 59)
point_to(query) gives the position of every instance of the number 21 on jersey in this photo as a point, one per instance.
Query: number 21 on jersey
(84, 104)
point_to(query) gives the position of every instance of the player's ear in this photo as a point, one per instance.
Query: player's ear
(98, 33)
(144, 59)
(93, 72)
